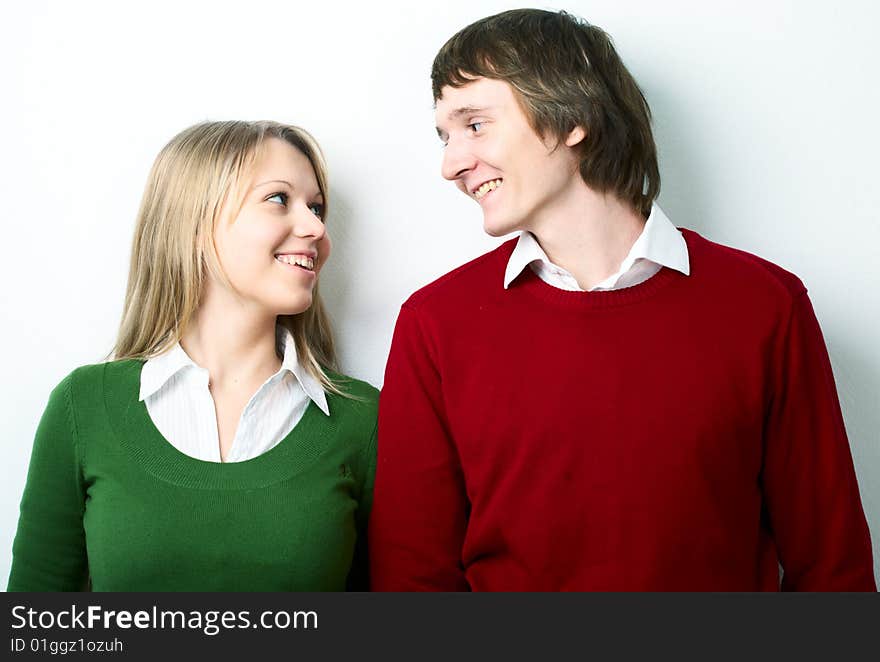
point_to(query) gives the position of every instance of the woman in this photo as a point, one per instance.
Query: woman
(218, 451)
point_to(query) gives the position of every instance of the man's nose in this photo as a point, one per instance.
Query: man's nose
(457, 160)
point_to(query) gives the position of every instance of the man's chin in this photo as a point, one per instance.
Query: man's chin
(498, 228)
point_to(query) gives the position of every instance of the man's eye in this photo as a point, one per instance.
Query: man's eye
(317, 209)
(281, 198)
(475, 126)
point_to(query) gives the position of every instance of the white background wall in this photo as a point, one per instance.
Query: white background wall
(765, 117)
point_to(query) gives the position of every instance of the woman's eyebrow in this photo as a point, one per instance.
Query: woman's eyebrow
(274, 181)
(284, 181)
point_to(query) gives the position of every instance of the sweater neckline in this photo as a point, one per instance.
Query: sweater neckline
(138, 434)
(530, 283)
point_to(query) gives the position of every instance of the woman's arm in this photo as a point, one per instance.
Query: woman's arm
(49, 552)
(358, 578)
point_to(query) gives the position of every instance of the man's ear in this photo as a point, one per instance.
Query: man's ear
(576, 135)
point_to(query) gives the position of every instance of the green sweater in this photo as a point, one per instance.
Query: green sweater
(109, 499)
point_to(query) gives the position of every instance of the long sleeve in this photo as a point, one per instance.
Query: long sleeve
(809, 483)
(420, 506)
(358, 577)
(49, 551)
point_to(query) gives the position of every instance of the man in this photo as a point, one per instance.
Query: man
(605, 402)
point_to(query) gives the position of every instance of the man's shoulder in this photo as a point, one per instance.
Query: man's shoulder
(472, 281)
(741, 267)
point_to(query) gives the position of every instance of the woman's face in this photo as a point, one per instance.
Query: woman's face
(272, 251)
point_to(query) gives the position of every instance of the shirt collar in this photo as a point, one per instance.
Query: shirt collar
(660, 242)
(291, 363)
(159, 369)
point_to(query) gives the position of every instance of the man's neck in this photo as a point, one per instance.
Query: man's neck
(589, 234)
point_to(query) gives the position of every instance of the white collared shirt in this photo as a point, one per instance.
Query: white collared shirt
(659, 245)
(176, 394)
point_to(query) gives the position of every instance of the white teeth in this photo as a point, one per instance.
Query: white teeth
(486, 187)
(298, 260)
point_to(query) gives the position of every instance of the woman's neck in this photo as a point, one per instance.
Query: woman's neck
(234, 342)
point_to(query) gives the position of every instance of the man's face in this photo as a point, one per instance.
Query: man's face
(495, 157)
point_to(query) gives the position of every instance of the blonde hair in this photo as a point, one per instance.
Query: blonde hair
(173, 247)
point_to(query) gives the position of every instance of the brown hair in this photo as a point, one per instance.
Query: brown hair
(173, 247)
(565, 73)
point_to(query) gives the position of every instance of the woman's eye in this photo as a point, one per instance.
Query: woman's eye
(281, 198)
(317, 209)
(475, 126)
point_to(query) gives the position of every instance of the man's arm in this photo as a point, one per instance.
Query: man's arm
(420, 506)
(808, 479)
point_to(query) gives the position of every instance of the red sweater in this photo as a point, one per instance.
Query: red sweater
(682, 434)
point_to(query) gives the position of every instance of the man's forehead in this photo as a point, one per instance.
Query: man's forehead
(480, 95)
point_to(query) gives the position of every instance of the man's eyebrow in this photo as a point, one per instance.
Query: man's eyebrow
(465, 110)
(460, 112)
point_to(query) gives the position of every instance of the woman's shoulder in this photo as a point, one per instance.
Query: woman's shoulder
(355, 398)
(86, 385)
(94, 375)
(353, 388)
